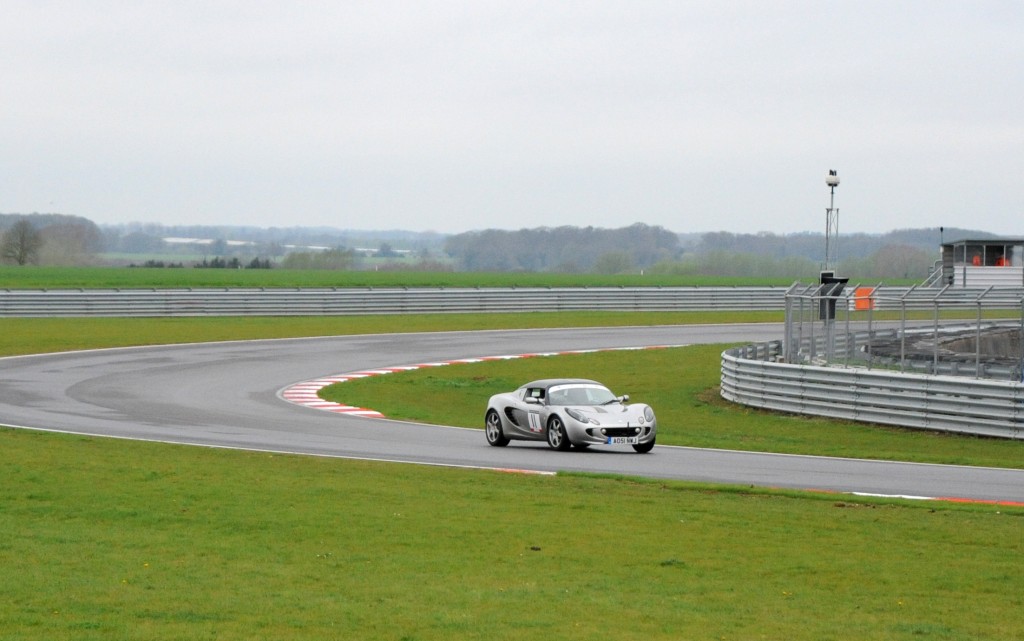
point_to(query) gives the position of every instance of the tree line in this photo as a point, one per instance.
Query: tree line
(55, 239)
(49, 239)
(563, 249)
(905, 254)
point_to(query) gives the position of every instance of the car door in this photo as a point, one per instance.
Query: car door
(527, 414)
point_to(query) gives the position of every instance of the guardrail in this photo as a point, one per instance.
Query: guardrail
(352, 301)
(750, 376)
(420, 300)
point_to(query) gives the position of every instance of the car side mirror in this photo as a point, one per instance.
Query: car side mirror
(624, 398)
(532, 401)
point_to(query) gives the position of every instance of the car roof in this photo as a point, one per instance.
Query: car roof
(551, 382)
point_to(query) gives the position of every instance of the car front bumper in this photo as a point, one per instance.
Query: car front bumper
(609, 434)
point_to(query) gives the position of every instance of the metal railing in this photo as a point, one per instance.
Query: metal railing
(751, 376)
(950, 331)
(934, 275)
(947, 359)
(341, 301)
(353, 301)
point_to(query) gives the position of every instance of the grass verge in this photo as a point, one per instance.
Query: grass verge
(111, 539)
(37, 335)
(48, 277)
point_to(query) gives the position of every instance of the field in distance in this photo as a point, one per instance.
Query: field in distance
(140, 277)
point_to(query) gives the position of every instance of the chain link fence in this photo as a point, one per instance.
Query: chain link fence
(950, 331)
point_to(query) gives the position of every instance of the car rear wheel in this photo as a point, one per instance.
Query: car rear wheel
(557, 438)
(644, 448)
(492, 428)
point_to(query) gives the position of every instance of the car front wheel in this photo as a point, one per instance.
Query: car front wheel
(557, 438)
(492, 427)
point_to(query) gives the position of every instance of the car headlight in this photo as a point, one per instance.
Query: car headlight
(579, 416)
(649, 414)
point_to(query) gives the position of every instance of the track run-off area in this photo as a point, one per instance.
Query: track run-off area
(255, 395)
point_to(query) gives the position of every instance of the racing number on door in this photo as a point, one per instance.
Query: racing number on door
(535, 424)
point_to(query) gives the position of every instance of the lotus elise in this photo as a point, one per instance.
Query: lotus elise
(569, 412)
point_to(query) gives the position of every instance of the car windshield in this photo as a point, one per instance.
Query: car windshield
(579, 395)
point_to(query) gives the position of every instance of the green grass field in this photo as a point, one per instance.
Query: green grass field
(35, 335)
(108, 539)
(30, 277)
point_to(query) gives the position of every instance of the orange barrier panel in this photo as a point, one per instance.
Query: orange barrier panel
(862, 299)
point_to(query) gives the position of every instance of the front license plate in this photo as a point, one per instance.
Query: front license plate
(623, 440)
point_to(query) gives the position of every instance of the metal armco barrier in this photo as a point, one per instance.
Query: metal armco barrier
(425, 300)
(352, 301)
(950, 404)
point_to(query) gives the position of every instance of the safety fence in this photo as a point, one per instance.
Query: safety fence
(947, 359)
(752, 375)
(947, 331)
(354, 301)
(419, 300)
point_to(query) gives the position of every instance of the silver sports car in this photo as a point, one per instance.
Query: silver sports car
(567, 412)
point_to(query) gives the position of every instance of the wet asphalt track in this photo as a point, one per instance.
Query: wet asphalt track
(228, 395)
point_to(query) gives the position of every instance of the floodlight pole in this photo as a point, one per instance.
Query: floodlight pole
(831, 223)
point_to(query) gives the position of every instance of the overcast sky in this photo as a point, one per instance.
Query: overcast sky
(459, 115)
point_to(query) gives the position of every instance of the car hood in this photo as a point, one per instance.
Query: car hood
(600, 410)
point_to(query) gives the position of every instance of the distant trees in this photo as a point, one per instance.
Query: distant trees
(904, 254)
(421, 265)
(891, 261)
(21, 243)
(812, 245)
(733, 263)
(219, 263)
(386, 251)
(613, 263)
(562, 249)
(234, 262)
(158, 264)
(49, 239)
(328, 259)
(71, 242)
(138, 242)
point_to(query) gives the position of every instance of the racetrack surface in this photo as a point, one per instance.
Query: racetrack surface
(229, 395)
